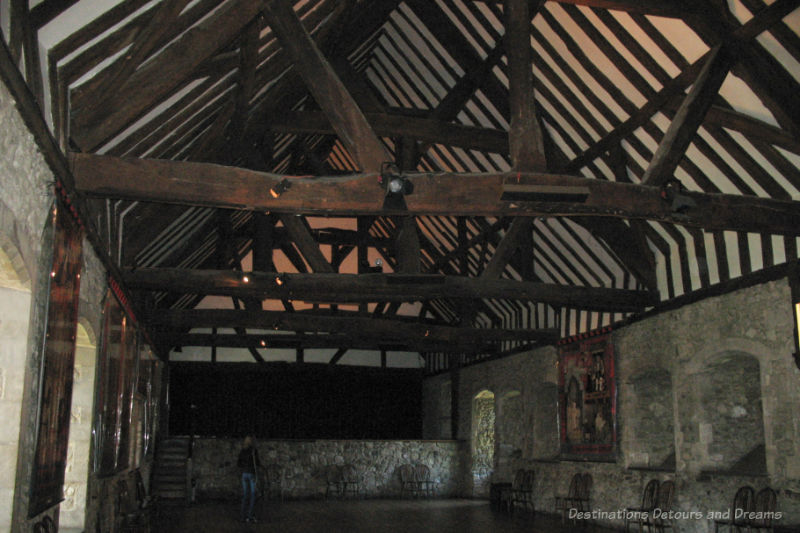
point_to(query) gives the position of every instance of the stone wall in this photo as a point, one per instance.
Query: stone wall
(304, 464)
(708, 396)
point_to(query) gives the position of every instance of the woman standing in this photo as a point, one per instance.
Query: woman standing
(248, 464)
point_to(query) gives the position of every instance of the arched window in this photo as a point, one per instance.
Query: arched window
(483, 441)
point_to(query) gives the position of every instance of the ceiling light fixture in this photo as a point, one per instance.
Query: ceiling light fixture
(280, 188)
(515, 192)
(396, 186)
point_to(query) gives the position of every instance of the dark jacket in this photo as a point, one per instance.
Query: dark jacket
(248, 460)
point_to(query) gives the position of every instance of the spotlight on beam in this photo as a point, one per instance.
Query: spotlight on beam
(515, 192)
(395, 185)
(280, 188)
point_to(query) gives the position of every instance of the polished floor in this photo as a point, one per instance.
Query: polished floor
(360, 516)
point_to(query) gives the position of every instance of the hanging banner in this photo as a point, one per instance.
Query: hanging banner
(588, 397)
(58, 361)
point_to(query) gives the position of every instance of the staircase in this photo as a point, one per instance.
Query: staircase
(170, 473)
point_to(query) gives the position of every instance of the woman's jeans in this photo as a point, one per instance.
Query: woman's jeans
(248, 494)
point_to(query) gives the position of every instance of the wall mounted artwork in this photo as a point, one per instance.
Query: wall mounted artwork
(58, 361)
(587, 397)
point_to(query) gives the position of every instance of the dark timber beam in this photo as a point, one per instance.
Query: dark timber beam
(675, 87)
(351, 326)
(388, 125)
(300, 234)
(353, 288)
(156, 79)
(661, 8)
(511, 241)
(327, 341)
(328, 90)
(434, 194)
(95, 92)
(525, 141)
(689, 117)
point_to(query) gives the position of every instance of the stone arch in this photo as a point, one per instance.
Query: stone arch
(483, 441)
(649, 418)
(13, 268)
(724, 403)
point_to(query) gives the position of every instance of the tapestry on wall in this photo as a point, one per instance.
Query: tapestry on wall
(587, 397)
(58, 360)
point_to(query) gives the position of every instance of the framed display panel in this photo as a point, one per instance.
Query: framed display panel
(587, 397)
(57, 365)
(117, 375)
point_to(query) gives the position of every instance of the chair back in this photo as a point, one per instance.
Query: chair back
(519, 479)
(422, 473)
(586, 486)
(743, 499)
(527, 484)
(575, 486)
(274, 474)
(764, 506)
(649, 494)
(406, 473)
(333, 474)
(666, 493)
(349, 473)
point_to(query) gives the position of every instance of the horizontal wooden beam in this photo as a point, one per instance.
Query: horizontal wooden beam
(434, 194)
(388, 125)
(356, 327)
(341, 343)
(351, 288)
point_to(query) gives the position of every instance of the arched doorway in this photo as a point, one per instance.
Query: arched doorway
(483, 442)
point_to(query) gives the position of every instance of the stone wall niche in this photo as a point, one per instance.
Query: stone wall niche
(650, 418)
(510, 425)
(545, 443)
(729, 424)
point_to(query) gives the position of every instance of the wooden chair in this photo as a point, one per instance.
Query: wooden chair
(333, 481)
(132, 507)
(422, 475)
(666, 494)
(639, 514)
(507, 492)
(766, 501)
(571, 501)
(743, 502)
(351, 481)
(522, 492)
(408, 480)
(273, 481)
(585, 496)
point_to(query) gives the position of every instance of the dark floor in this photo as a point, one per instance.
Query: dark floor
(360, 516)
